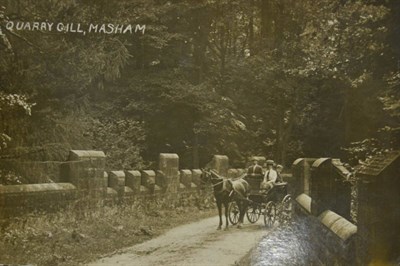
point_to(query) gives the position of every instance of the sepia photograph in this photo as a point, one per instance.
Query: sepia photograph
(200, 132)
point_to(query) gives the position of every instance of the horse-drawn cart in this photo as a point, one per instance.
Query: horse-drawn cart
(274, 204)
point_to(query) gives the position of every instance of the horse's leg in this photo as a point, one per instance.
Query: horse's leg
(245, 204)
(226, 204)
(219, 205)
(241, 213)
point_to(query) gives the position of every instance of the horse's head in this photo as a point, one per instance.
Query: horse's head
(210, 176)
(205, 176)
(218, 183)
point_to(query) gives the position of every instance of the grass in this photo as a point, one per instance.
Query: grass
(73, 238)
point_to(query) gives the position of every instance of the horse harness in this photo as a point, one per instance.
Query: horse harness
(223, 189)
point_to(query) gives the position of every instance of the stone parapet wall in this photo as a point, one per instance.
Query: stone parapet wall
(196, 177)
(168, 165)
(85, 182)
(320, 188)
(133, 180)
(326, 199)
(85, 170)
(17, 200)
(378, 214)
(116, 181)
(303, 204)
(301, 171)
(334, 238)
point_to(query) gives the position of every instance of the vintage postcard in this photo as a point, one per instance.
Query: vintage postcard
(199, 132)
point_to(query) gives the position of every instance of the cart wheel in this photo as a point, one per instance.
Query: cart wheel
(253, 213)
(233, 213)
(286, 209)
(270, 214)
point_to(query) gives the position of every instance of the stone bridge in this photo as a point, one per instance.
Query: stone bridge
(82, 180)
(356, 221)
(321, 187)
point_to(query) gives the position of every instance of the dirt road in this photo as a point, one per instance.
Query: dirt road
(197, 243)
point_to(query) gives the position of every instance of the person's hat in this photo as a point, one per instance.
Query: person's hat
(279, 166)
(270, 162)
(254, 159)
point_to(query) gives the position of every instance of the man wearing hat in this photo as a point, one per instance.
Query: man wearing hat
(255, 168)
(270, 176)
(279, 169)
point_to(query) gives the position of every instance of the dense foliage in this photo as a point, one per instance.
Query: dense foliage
(277, 78)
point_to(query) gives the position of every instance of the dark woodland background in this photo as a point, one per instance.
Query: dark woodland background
(279, 78)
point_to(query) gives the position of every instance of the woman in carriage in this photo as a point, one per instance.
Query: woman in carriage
(270, 177)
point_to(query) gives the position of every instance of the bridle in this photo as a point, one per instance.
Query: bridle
(213, 185)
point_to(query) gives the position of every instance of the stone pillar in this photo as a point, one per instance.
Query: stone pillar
(161, 180)
(343, 189)
(298, 177)
(116, 181)
(301, 169)
(378, 217)
(196, 177)
(330, 188)
(149, 179)
(186, 178)
(105, 179)
(322, 186)
(169, 169)
(133, 179)
(220, 163)
(85, 170)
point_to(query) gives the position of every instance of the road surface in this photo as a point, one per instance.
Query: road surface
(196, 243)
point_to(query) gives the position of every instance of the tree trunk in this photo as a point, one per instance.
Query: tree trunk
(251, 29)
(200, 48)
(280, 130)
(200, 44)
(347, 116)
(195, 152)
(267, 24)
(279, 24)
(286, 138)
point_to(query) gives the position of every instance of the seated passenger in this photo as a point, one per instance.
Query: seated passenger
(279, 169)
(270, 177)
(255, 169)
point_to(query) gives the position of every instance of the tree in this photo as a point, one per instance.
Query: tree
(277, 78)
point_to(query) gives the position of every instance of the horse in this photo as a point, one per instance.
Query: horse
(225, 191)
